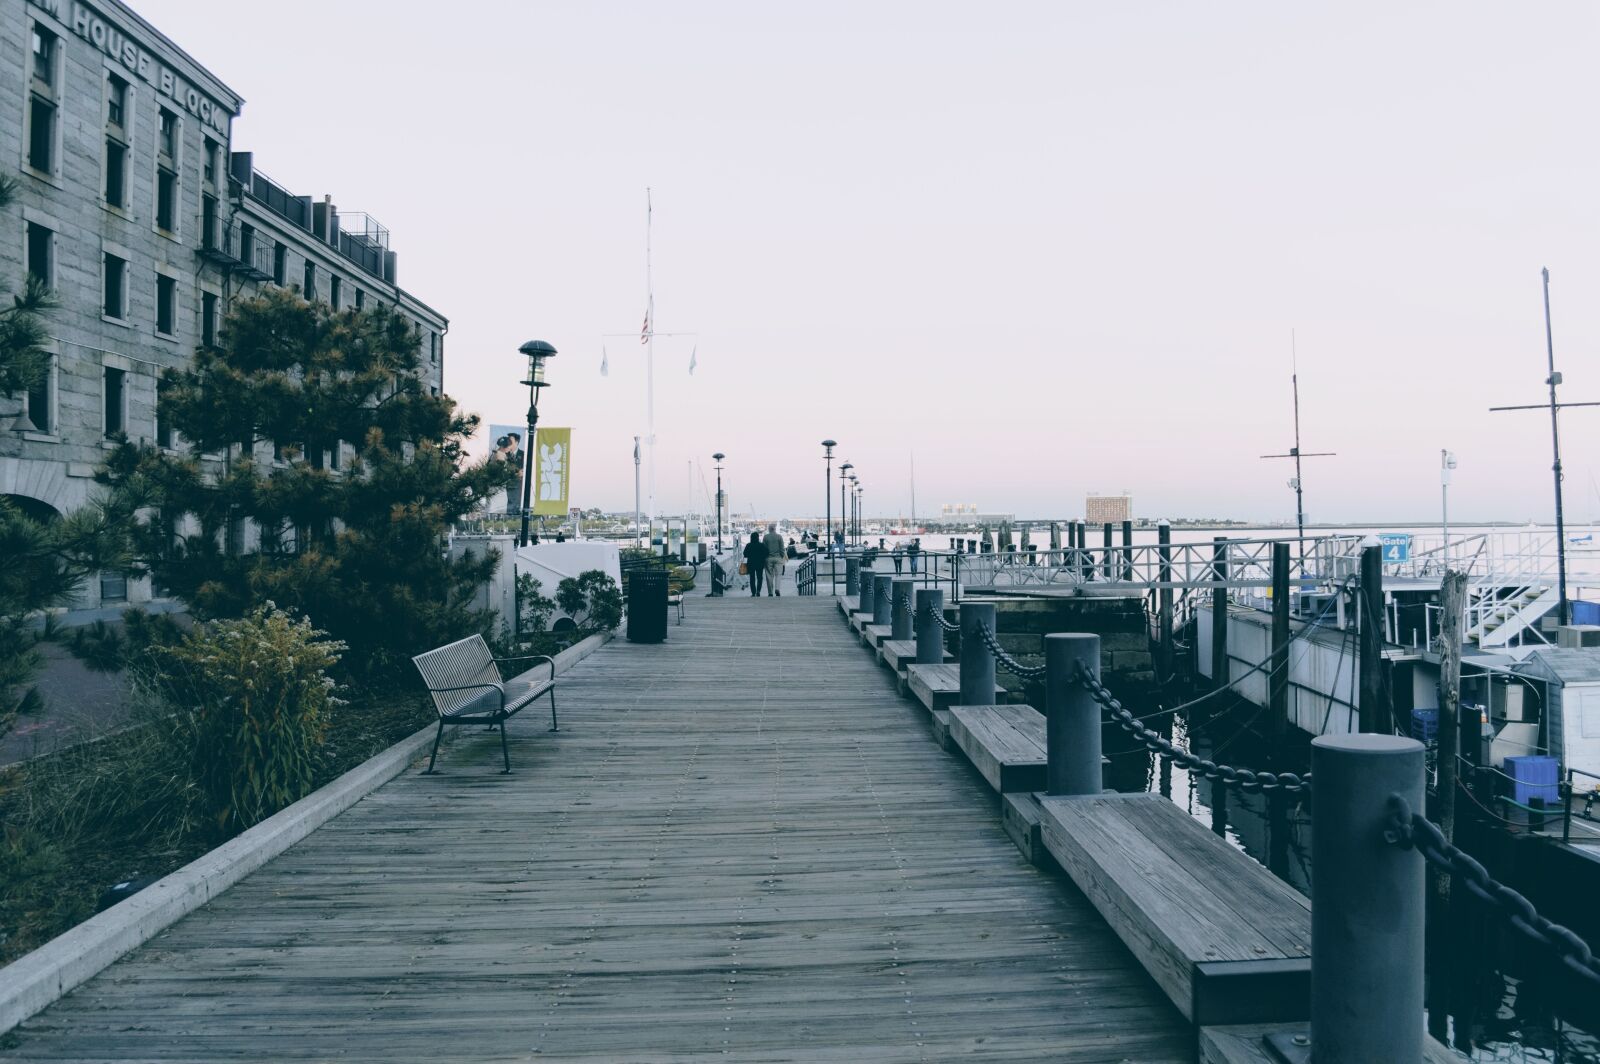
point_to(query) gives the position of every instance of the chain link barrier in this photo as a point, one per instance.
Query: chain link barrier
(1026, 672)
(1409, 831)
(927, 610)
(1246, 779)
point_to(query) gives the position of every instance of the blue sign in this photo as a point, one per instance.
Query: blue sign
(1396, 547)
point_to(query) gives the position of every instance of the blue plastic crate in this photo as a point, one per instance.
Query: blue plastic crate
(1534, 777)
(1425, 724)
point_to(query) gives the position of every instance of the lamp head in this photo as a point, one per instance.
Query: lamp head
(537, 352)
(719, 456)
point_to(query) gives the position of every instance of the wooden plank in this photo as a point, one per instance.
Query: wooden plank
(938, 686)
(1019, 818)
(874, 634)
(1006, 744)
(739, 844)
(1242, 1044)
(898, 653)
(1180, 898)
(939, 725)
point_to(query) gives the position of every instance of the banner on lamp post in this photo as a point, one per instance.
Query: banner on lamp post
(551, 472)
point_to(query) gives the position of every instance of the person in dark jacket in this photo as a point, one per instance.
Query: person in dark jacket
(755, 562)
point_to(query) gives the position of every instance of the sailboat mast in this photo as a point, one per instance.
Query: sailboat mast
(650, 351)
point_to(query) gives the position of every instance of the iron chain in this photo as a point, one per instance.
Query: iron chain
(1409, 831)
(1026, 672)
(928, 611)
(1247, 779)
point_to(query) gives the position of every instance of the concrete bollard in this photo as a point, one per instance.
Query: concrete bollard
(977, 660)
(852, 576)
(882, 602)
(930, 636)
(900, 608)
(1072, 717)
(1367, 903)
(869, 594)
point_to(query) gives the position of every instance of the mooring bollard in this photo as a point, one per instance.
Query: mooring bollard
(930, 636)
(869, 595)
(900, 609)
(977, 660)
(882, 600)
(852, 576)
(1366, 903)
(1072, 717)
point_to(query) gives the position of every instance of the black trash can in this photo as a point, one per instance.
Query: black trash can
(647, 606)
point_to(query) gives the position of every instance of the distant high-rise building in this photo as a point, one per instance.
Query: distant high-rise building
(1100, 509)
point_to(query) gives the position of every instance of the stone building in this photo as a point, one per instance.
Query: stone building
(1107, 509)
(133, 206)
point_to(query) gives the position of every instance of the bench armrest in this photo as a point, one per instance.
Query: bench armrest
(532, 657)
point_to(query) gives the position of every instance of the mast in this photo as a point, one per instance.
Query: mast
(650, 351)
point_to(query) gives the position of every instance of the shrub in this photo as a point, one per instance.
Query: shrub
(259, 697)
(591, 599)
(534, 607)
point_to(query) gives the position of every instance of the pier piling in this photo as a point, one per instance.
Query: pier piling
(1372, 705)
(1127, 550)
(977, 662)
(1219, 614)
(1278, 679)
(900, 608)
(852, 576)
(1366, 903)
(1072, 717)
(1164, 541)
(930, 636)
(882, 599)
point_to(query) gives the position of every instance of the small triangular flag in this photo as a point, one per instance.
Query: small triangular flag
(605, 362)
(692, 355)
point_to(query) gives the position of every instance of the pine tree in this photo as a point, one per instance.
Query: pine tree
(260, 506)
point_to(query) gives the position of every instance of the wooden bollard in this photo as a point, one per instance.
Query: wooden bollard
(868, 597)
(1072, 717)
(882, 599)
(930, 634)
(852, 576)
(900, 608)
(1367, 903)
(977, 660)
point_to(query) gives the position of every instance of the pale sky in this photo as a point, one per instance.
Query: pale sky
(1044, 248)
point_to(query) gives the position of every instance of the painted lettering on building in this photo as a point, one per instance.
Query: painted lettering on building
(121, 47)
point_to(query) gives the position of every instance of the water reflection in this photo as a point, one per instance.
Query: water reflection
(1492, 996)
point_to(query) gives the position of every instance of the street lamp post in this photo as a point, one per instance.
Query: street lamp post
(855, 491)
(827, 491)
(844, 518)
(536, 351)
(718, 457)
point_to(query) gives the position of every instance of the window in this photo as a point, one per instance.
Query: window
(44, 55)
(41, 254)
(166, 305)
(163, 425)
(166, 200)
(167, 134)
(208, 319)
(41, 134)
(433, 348)
(333, 454)
(39, 401)
(113, 393)
(208, 222)
(361, 299)
(116, 102)
(247, 244)
(280, 263)
(209, 165)
(116, 173)
(113, 586)
(333, 291)
(116, 286)
(309, 289)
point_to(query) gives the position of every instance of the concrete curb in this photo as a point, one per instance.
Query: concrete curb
(38, 979)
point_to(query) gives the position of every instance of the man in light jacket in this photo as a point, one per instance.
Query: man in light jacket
(775, 554)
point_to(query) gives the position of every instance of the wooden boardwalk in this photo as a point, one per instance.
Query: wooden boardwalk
(742, 844)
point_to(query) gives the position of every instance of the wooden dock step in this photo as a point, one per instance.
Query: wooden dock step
(873, 635)
(938, 686)
(1229, 942)
(898, 653)
(1005, 744)
(1242, 1044)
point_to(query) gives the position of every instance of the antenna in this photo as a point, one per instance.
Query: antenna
(1298, 483)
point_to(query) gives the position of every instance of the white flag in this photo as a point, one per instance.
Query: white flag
(605, 364)
(692, 355)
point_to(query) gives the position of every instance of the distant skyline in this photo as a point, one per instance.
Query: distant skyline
(1043, 248)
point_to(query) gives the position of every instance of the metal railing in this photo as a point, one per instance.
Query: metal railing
(805, 576)
(1566, 803)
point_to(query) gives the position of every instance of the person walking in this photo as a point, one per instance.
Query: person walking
(755, 562)
(913, 549)
(775, 547)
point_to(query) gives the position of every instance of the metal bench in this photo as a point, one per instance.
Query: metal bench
(467, 688)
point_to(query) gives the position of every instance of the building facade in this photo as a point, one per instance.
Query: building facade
(1107, 509)
(132, 205)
